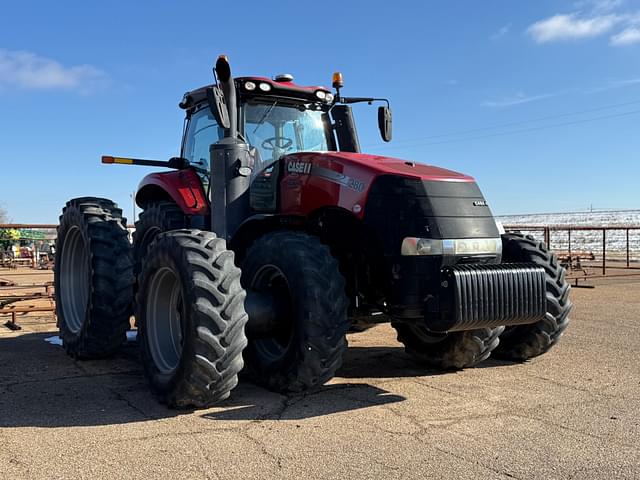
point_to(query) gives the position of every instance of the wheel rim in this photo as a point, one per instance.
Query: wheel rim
(270, 279)
(426, 336)
(74, 277)
(164, 312)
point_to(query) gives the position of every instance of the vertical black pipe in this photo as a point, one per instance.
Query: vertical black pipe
(230, 166)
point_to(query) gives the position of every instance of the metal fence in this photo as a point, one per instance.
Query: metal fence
(25, 245)
(581, 247)
(29, 245)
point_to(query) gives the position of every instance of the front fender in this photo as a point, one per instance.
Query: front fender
(183, 187)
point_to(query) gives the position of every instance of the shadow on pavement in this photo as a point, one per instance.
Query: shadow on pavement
(247, 403)
(393, 362)
(382, 362)
(40, 386)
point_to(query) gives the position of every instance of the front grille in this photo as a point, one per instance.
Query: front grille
(478, 296)
(399, 207)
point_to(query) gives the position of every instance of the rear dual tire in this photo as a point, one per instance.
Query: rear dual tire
(93, 277)
(315, 322)
(191, 318)
(158, 217)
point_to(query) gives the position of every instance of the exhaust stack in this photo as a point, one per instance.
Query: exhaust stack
(223, 71)
(230, 165)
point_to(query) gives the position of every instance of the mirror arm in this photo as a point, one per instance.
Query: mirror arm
(348, 100)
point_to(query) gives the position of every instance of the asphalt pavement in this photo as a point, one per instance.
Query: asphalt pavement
(572, 413)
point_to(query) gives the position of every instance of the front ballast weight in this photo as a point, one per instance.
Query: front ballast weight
(515, 310)
(489, 296)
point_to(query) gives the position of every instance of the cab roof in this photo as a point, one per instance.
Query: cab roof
(283, 89)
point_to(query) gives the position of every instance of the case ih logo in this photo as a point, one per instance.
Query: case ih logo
(480, 203)
(303, 168)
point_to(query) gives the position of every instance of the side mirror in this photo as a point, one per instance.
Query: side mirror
(384, 123)
(218, 106)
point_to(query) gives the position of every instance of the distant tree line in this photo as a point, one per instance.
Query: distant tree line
(7, 237)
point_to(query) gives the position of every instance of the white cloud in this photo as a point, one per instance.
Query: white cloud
(520, 98)
(601, 6)
(592, 18)
(626, 37)
(501, 32)
(517, 99)
(611, 84)
(625, 83)
(27, 70)
(571, 26)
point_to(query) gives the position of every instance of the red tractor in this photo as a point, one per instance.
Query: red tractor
(273, 236)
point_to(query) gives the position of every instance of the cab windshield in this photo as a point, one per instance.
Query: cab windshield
(276, 129)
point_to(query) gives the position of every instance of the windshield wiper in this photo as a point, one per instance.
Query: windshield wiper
(264, 117)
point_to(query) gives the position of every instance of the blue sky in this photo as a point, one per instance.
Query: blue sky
(539, 100)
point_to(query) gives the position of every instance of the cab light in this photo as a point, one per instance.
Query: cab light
(321, 94)
(249, 86)
(328, 97)
(265, 87)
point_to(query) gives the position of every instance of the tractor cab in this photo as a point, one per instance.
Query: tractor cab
(276, 117)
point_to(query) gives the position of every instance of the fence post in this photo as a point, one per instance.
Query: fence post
(547, 237)
(604, 251)
(628, 248)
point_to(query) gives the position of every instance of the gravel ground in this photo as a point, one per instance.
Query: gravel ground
(569, 414)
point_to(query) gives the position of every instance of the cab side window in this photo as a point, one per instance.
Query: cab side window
(201, 133)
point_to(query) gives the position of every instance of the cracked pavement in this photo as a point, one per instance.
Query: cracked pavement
(570, 414)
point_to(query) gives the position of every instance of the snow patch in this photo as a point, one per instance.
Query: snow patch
(132, 336)
(55, 340)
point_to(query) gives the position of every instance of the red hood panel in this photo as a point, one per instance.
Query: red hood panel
(387, 165)
(315, 180)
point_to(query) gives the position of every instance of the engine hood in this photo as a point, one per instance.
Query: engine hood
(380, 165)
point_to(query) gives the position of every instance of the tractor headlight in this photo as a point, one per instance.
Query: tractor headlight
(265, 87)
(250, 86)
(328, 97)
(321, 94)
(421, 246)
(462, 246)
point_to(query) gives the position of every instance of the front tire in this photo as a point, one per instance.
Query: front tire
(519, 343)
(191, 318)
(301, 274)
(447, 351)
(93, 277)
